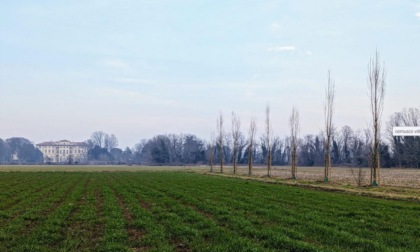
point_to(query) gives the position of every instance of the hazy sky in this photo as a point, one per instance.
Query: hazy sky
(146, 67)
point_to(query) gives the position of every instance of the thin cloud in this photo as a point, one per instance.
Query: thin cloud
(114, 63)
(134, 96)
(249, 94)
(133, 81)
(279, 49)
(418, 14)
(275, 26)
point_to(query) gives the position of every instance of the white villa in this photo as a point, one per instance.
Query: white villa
(64, 151)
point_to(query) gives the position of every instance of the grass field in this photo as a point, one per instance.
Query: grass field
(178, 211)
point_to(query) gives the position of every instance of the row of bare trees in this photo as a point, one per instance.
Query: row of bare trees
(267, 140)
(171, 149)
(349, 147)
(376, 91)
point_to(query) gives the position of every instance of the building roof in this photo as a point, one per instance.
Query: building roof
(62, 143)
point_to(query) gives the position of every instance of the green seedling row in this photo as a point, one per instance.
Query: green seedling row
(179, 211)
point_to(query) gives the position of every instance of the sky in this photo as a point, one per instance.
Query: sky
(141, 68)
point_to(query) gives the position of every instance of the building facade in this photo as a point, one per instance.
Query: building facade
(64, 151)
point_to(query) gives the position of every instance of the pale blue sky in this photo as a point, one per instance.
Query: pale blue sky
(141, 68)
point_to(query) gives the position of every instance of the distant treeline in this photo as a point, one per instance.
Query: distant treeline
(19, 150)
(349, 148)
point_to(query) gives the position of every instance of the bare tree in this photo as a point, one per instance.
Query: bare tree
(110, 142)
(294, 130)
(346, 139)
(268, 138)
(98, 138)
(176, 146)
(252, 132)
(358, 176)
(220, 137)
(376, 91)
(236, 134)
(328, 115)
(211, 151)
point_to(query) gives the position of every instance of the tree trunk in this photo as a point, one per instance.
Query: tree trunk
(250, 160)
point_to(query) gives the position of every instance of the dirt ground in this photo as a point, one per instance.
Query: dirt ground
(340, 175)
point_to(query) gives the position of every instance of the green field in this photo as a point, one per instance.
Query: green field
(179, 211)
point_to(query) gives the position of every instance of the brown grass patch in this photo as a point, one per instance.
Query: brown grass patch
(393, 186)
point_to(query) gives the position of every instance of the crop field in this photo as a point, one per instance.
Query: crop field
(393, 177)
(180, 211)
